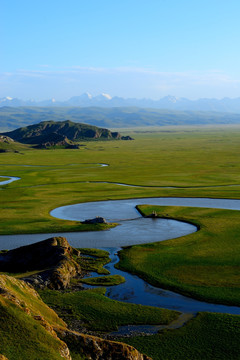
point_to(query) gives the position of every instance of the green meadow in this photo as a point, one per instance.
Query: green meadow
(197, 162)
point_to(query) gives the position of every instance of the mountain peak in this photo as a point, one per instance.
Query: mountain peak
(107, 96)
(171, 99)
(103, 97)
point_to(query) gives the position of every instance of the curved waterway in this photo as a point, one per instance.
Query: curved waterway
(133, 229)
(9, 179)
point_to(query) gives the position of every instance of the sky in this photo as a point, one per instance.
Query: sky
(128, 48)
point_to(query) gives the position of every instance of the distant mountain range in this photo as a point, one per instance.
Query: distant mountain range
(105, 100)
(117, 117)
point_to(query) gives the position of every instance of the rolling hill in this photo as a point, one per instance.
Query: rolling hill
(116, 117)
(61, 133)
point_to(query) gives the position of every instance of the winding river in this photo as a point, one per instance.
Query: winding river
(9, 179)
(133, 229)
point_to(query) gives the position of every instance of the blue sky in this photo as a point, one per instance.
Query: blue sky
(129, 48)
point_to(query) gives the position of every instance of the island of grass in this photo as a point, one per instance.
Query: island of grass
(93, 260)
(108, 280)
(203, 265)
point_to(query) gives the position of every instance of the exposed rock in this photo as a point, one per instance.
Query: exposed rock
(126, 138)
(6, 139)
(54, 254)
(153, 215)
(96, 220)
(54, 139)
(95, 348)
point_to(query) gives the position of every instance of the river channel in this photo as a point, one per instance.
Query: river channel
(132, 229)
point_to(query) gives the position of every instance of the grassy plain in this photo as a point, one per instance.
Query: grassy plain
(198, 162)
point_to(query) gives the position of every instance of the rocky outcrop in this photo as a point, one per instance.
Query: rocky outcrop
(126, 138)
(6, 139)
(95, 348)
(96, 220)
(2, 357)
(52, 258)
(152, 215)
(52, 140)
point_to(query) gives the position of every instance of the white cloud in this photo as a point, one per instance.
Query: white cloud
(122, 81)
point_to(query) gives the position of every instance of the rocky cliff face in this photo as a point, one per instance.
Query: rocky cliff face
(30, 329)
(95, 348)
(54, 254)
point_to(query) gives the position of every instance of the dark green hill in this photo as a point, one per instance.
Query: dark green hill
(61, 133)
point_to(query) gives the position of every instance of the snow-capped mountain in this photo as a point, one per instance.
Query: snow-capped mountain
(106, 100)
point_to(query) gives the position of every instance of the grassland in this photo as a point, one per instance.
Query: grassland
(198, 162)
